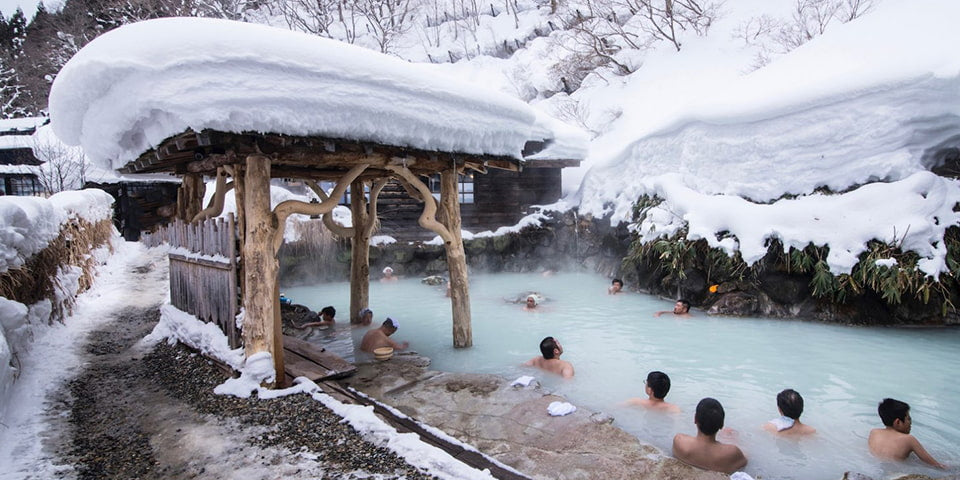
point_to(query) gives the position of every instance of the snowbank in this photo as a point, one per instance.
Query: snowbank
(27, 226)
(852, 107)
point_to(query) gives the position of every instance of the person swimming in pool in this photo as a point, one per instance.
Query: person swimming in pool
(680, 309)
(550, 349)
(616, 286)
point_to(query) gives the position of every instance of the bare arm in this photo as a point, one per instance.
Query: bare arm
(922, 453)
(398, 346)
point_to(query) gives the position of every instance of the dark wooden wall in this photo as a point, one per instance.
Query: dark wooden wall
(140, 206)
(500, 198)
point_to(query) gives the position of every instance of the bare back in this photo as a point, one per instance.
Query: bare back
(377, 338)
(553, 365)
(707, 453)
(891, 444)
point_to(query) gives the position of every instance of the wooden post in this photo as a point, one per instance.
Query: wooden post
(456, 260)
(190, 196)
(238, 192)
(452, 240)
(261, 303)
(359, 250)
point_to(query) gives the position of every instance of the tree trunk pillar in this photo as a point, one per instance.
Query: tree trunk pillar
(261, 304)
(456, 261)
(359, 251)
(190, 196)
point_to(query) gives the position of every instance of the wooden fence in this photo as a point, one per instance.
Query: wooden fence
(203, 270)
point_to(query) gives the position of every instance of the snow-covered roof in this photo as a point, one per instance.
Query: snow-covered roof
(135, 86)
(18, 132)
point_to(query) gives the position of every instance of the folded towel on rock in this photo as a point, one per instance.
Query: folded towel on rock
(559, 409)
(523, 381)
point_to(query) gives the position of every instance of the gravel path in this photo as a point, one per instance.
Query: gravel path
(151, 414)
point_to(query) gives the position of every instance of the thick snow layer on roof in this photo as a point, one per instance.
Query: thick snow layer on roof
(854, 106)
(133, 87)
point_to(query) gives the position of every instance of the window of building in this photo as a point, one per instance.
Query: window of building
(23, 185)
(464, 187)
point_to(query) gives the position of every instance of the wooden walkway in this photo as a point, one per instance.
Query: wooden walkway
(304, 359)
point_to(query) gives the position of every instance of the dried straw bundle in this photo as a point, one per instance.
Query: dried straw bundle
(37, 279)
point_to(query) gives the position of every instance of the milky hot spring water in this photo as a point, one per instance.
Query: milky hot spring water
(613, 341)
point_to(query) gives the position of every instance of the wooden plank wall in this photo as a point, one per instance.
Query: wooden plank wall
(203, 270)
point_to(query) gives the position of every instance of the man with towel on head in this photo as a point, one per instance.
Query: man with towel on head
(380, 337)
(790, 404)
(551, 350)
(388, 275)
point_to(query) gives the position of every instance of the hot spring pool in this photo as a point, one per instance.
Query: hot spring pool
(613, 341)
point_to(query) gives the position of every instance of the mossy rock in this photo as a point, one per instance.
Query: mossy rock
(401, 255)
(476, 246)
(344, 256)
(437, 266)
(502, 242)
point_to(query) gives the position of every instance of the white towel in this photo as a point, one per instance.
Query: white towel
(782, 423)
(740, 476)
(559, 409)
(523, 381)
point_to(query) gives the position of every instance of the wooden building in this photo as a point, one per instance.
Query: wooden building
(487, 201)
(19, 167)
(140, 205)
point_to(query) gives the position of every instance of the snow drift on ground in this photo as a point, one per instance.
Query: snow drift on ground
(857, 105)
(27, 226)
(127, 90)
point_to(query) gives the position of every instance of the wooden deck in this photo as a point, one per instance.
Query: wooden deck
(304, 359)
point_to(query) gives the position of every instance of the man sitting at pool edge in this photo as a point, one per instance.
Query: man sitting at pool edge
(380, 337)
(894, 441)
(704, 450)
(551, 350)
(656, 387)
(790, 404)
(680, 309)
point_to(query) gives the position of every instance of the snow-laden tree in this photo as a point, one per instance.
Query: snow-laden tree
(809, 19)
(12, 91)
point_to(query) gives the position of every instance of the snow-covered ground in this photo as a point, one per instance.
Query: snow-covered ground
(48, 354)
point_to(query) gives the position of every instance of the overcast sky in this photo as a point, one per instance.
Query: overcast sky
(9, 6)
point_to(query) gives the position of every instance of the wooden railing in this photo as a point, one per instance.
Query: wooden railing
(203, 270)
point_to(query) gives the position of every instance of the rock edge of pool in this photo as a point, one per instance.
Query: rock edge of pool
(511, 424)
